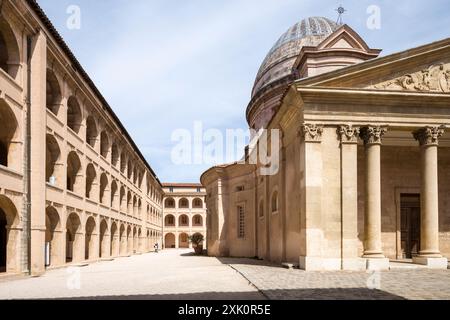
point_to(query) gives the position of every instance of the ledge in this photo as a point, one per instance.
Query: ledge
(11, 172)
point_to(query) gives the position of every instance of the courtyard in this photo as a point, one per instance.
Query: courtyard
(180, 275)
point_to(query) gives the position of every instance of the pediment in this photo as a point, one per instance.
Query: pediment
(435, 78)
(344, 38)
(421, 69)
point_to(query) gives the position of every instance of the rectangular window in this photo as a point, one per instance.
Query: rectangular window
(241, 222)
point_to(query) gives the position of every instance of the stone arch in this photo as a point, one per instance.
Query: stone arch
(91, 131)
(135, 240)
(114, 195)
(169, 203)
(53, 236)
(90, 239)
(169, 241)
(9, 235)
(183, 203)
(53, 165)
(104, 144)
(139, 208)
(129, 203)
(261, 209)
(8, 132)
(91, 177)
(129, 240)
(123, 240)
(183, 220)
(115, 240)
(197, 203)
(122, 198)
(183, 240)
(123, 162)
(197, 221)
(9, 49)
(103, 188)
(73, 114)
(73, 238)
(274, 202)
(115, 155)
(104, 250)
(54, 95)
(73, 172)
(135, 175)
(140, 242)
(135, 205)
(130, 169)
(169, 220)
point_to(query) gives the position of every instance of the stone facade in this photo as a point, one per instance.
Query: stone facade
(184, 211)
(363, 170)
(73, 184)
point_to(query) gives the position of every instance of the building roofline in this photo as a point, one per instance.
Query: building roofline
(182, 185)
(78, 67)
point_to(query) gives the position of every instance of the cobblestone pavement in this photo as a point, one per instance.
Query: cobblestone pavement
(279, 283)
(171, 274)
(179, 275)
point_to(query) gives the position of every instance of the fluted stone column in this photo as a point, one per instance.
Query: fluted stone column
(372, 137)
(429, 253)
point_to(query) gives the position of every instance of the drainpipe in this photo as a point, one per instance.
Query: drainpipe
(28, 153)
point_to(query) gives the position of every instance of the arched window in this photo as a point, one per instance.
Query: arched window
(9, 49)
(198, 203)
(197, 221)
(73, 170)
(184, 203)
(53, 154)
(114, 155)
(183, 221)
(73, 114)
(135, 175)
(90, 179)
(169, 203)
(91, 131)
(8, 128)
(275, 202)
(169, 221)
(53, 93)
(103, 187)
(104, 144)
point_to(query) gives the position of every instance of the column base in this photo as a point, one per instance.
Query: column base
(354, 264)
(377, 264)
(319, 264)
(432, 263)
(331, 264)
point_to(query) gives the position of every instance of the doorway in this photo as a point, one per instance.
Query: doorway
(410, 225)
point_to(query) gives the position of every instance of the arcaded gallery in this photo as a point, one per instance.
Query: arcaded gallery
(74, 186)
(364, 170)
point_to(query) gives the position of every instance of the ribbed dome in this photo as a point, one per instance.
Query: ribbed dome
(281, 58)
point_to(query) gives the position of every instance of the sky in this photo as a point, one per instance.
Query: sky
(166, 65)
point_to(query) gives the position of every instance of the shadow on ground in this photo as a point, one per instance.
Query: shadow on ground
(295, 294)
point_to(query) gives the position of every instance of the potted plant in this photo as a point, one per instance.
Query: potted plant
(197, 242)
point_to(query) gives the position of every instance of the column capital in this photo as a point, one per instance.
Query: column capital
(312, 132)
(372, 134)
(348, 134)
(429, 136)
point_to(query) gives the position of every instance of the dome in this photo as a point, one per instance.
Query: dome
(281, 58)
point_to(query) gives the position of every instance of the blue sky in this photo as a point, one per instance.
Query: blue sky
(164, 64)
